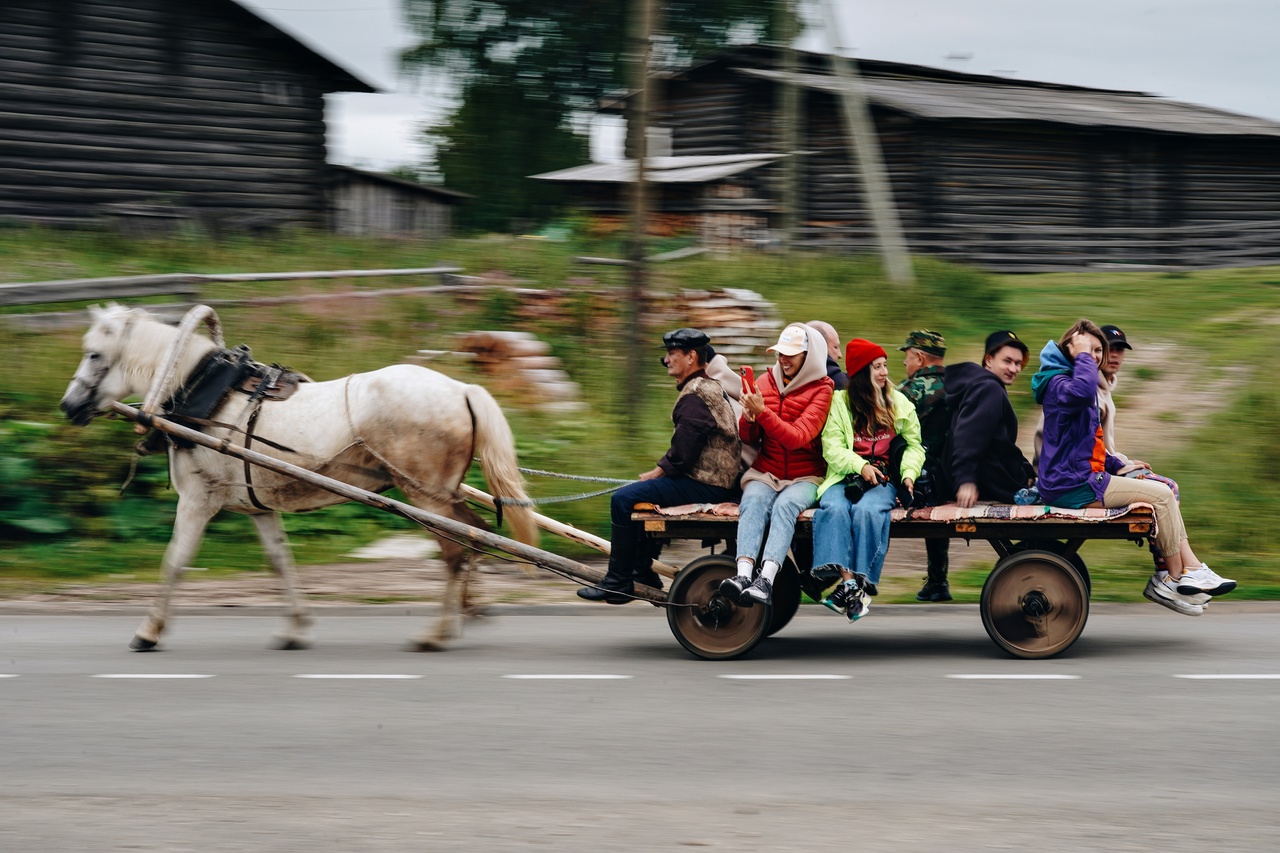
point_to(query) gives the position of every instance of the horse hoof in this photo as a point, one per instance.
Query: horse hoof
(289, 644)
(425, 646)
(141, 644)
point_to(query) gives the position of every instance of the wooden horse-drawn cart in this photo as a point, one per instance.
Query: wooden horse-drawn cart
(1034, 604)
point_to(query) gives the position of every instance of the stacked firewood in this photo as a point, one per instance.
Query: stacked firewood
(520, 366)
(740, 322)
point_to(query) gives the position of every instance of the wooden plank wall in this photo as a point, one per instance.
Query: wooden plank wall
(373, 208)
(1006, 195)
(106, 102)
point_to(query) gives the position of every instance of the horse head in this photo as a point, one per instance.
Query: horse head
(102, 375)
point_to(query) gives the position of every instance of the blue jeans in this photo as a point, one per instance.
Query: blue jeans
(762, 507)
(665, 491)
(853, 536)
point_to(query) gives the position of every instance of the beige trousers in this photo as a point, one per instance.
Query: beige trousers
(1170, 532)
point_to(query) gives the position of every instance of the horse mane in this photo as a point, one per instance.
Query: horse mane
(144, 347)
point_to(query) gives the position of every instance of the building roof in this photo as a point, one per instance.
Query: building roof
(663, 170)
(1009, 101)
(438, 193)
(335, 77)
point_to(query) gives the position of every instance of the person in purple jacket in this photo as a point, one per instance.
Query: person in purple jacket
(1076, 470)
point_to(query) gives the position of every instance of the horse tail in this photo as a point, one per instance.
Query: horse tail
(496, 447)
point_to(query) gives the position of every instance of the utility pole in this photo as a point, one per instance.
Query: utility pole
(877, 194)
(638, 146)
(789, 108)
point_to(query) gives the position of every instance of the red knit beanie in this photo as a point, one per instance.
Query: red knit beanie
(860, 352)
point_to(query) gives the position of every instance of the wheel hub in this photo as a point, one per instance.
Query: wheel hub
(1036, 605)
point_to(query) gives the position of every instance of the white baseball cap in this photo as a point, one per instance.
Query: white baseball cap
(793, 341)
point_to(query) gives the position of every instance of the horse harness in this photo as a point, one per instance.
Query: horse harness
(217, 376)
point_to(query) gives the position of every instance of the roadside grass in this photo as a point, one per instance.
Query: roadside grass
(1226, 319)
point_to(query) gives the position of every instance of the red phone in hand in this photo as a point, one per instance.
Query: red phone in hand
(748, 378)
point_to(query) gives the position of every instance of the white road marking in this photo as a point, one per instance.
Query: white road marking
(8, 675)
(1014, 677)
(357, 675)
(1244, 676)
(795, 677)
(570, 677)
(153, 675)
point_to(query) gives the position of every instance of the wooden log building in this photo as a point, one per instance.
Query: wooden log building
(160, 109)
(1005, 173)
(376, 204)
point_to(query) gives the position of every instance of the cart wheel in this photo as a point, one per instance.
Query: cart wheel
(786, 597)
(705, 622)
(1058, 547)
(1034, 604)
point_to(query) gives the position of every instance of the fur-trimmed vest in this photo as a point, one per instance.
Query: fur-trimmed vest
(720, 462)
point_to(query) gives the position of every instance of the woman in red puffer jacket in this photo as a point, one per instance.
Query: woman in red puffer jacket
(784, 419)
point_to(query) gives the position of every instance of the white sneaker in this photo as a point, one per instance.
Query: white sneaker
(1201, 598)
(1164, 593)
(1204, 580)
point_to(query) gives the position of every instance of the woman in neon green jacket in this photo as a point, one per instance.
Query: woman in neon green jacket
(851, 536)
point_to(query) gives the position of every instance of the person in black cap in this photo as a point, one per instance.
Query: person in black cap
(981, 458)
(702, 465)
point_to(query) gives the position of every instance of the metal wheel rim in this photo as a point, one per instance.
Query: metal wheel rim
(712, 628)
(1019, 588)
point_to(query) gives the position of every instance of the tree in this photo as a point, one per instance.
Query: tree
(498, 136)
(525, 66)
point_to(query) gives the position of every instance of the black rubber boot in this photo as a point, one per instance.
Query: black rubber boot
(616, 586)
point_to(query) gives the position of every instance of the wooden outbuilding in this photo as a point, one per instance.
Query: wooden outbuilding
(1001, 172)
(156, 110)
(721, 198)
(376, 204)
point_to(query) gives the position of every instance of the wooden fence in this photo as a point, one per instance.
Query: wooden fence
(187, 285)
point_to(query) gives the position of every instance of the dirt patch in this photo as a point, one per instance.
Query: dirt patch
(1158, 415)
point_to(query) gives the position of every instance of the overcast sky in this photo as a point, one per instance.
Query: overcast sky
(1220, 53)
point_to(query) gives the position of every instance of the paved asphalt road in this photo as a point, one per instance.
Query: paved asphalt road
(891, 743)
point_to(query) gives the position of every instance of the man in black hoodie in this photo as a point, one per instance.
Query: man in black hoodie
(983, 461)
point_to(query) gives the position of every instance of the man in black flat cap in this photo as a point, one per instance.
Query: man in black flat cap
(702, 465)
(982, 458)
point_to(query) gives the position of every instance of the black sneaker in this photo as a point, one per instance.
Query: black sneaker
(733, 588)
(934, 591)
(825, 574)
(843, 595)
(760, 592)
(870, 589)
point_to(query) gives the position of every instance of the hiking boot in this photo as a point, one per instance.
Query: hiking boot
(1164, 592)
(1204, 580)
(934, 591)
(760, 592)
(733, 588)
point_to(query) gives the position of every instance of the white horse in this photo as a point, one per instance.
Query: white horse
(403, 426)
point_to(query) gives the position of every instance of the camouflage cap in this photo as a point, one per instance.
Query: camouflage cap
(925, 340)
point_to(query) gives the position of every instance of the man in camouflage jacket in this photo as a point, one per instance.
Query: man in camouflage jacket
(924, 387)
